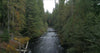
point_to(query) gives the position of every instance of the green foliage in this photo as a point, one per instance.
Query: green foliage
(78, 23)
(35, 24)
(4, 37)
(20, 18)
(23, 17)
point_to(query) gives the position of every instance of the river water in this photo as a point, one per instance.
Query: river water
(48, 43)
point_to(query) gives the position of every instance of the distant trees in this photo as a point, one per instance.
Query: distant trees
(77, 21)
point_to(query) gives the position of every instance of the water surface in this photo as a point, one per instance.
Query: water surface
(48, 43)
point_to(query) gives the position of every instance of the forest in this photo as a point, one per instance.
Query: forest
(77, 23)
(20, 20)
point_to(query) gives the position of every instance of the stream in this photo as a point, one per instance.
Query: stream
(48, 43)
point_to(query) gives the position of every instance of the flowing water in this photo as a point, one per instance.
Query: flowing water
(48, 43)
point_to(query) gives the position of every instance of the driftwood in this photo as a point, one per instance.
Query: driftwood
(25, 49)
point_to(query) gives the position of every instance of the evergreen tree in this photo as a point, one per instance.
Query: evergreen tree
(76, 21)
(34, 18)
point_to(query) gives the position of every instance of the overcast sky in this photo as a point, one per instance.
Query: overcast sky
(49, 5)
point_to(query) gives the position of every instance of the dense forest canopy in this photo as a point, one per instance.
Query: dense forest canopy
(76, 21)
(21, 19)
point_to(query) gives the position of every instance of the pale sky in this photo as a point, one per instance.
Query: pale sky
(50, 4)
